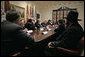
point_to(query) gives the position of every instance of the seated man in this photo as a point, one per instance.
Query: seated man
(54, 22)
(13, 38)
(29, 25)
(60, 29)
(70, 37)
(44, 24)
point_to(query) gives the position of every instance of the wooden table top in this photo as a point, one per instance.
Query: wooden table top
(38, 36)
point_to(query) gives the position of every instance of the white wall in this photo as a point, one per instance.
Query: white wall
(46, 10)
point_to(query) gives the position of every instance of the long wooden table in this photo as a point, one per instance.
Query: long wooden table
(38, 36)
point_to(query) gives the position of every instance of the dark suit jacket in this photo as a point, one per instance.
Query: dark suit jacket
(13, 38)
(49, 23)
(37, 25)
(59, 30)
(54, 23)
(30, 26)
(70, 37)
(43, 24)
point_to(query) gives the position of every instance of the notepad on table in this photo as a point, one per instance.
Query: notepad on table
(49, 29)
(41, 29)
(44, 32)
(30, 31)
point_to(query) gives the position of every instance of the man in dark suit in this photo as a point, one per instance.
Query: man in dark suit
(13, 38)
(44, 24)
(37, 24)
(29, 25)
(60, 29)
(70, 37)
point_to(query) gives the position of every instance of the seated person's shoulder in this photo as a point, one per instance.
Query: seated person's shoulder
(74, 29)
(16, 27)
(10, 25)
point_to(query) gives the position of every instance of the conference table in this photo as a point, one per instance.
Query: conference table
(39, 35)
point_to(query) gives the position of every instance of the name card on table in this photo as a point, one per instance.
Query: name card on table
(48, 28)
(44, 32)
(29, 31)
(41, 29)
(56, 27)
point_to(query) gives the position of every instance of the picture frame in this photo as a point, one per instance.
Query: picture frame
(20, 10)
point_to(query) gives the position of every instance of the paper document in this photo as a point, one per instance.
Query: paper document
(41, 29)
(49, 29)
(29, 31)
(44, 32)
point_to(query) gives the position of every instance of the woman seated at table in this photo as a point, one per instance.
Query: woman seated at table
(37, 24)
(50, 24)
(44, 24)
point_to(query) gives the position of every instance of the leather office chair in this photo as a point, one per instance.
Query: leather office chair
(60, 51)
(19, 53)
(77, 52)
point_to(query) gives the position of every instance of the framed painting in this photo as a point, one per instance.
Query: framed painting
(20, 10)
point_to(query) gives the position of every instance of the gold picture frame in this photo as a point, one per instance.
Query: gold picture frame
(20, 9)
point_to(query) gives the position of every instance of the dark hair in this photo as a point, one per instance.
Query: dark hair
(37, 21)
(30, 20)
(49, 20)
(12, 15)
(61, 21)
(72, 16)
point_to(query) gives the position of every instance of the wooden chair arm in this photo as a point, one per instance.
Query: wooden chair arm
(16, 54)
(26, 47)
(67, 50)
(76, 52)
